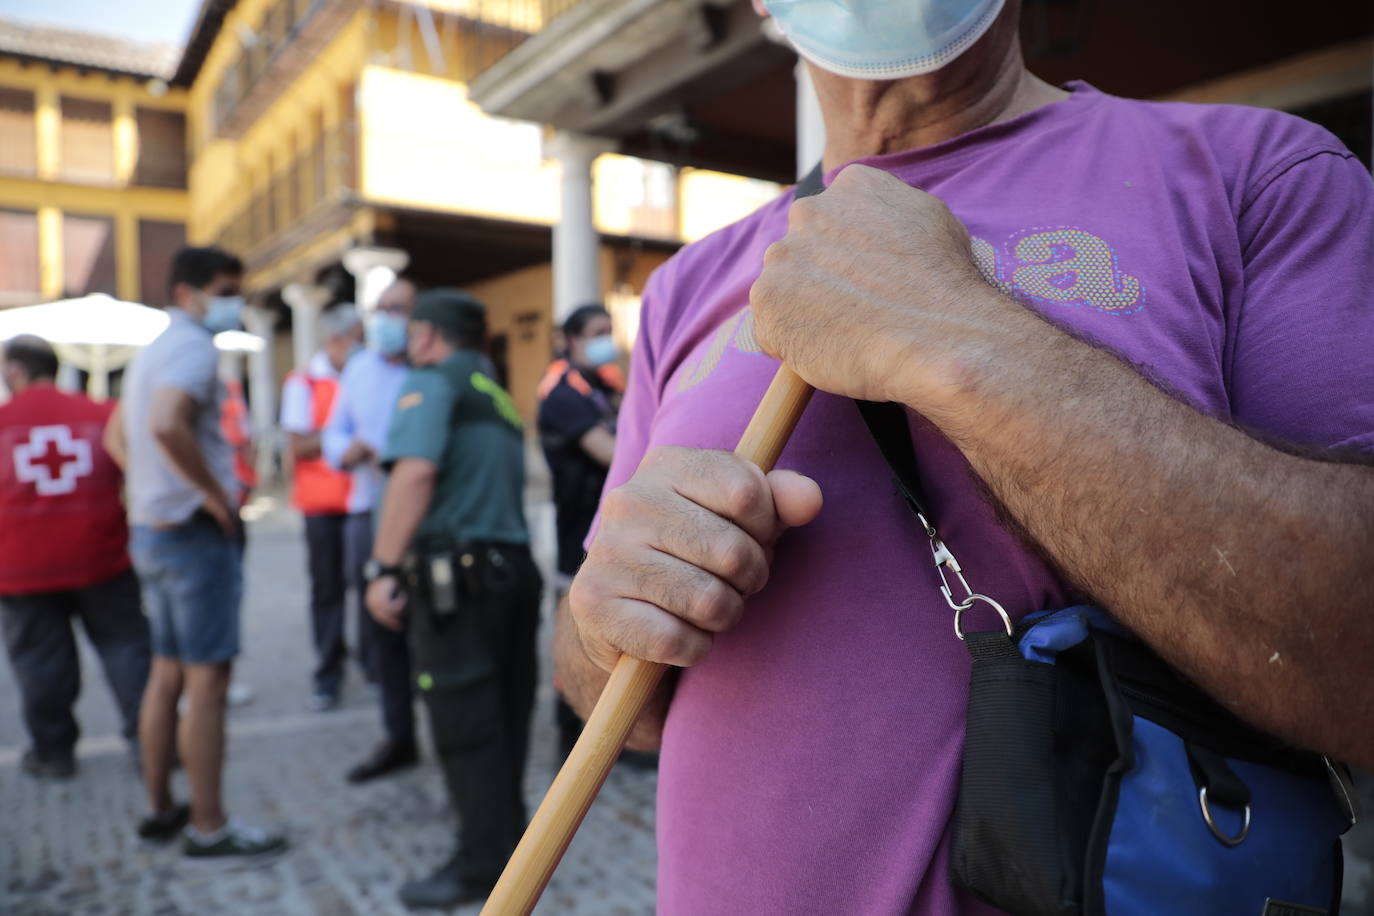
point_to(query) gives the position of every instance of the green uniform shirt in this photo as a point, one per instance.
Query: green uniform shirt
(458, 418)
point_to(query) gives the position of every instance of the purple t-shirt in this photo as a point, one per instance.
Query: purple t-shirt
(810, 763)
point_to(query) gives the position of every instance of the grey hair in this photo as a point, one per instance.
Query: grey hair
(339, 320)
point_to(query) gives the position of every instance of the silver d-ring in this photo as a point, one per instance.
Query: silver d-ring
(1212, 825)
(968, 603)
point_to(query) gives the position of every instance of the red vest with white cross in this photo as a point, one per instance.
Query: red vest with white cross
(62, 520)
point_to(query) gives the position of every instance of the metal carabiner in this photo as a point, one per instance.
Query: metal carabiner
(944, 558)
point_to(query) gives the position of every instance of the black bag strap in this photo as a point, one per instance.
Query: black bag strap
(812, 183)
(887, 424)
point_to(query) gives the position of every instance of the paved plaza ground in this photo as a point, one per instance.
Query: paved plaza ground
(69, 848)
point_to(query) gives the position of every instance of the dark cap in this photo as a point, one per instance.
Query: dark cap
(459, 317)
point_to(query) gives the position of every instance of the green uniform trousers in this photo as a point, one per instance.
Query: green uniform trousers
(476, 670)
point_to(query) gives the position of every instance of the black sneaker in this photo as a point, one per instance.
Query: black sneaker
(389, 757)
(443, 889)
(54, 766)
(232, 842)
(322, 701)
(164, 826)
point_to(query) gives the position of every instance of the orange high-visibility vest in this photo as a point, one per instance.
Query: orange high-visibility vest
(318, 488)
(610, 376)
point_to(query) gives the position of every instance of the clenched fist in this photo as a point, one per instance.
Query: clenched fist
(681, 545)
(873, 292)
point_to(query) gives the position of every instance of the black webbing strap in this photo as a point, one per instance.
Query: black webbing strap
(812, 183)
(888, 425)
(886, 422)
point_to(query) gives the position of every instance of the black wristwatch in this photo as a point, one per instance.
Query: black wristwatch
(375, 569)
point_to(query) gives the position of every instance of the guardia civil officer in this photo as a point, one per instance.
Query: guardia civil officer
(451, 564)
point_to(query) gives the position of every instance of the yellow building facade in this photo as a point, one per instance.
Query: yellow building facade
(322, 129)
(93, 185)
(323, 141)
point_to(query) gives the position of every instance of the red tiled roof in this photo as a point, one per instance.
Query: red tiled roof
(86, 49)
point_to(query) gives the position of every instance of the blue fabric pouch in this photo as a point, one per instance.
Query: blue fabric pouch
(1097, 780)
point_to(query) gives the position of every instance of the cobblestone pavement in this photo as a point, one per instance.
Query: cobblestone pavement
(69, 848)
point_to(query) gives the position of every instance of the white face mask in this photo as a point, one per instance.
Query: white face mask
(599, 351)
(223, 313)
(883, 39)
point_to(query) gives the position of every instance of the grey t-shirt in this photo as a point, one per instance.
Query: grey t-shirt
(182, 357)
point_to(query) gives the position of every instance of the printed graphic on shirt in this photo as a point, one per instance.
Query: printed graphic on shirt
(1060, 267)
(52, 460)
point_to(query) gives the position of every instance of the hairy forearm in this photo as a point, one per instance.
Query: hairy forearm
(408, 494)
(582, 682)
(1246, 567)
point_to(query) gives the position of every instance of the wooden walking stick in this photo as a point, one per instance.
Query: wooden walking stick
(631, 684)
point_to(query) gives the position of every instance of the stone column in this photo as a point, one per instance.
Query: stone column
(68, 377)
(262, 378)
(810, 125)
(307, 301)
(373, 270)
(576, 243)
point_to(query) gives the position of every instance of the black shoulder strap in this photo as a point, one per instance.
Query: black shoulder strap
(886, 422)
(812, 183)
(888, 425)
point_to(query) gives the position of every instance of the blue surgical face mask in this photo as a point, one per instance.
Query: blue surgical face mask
(600, 351)
(222, 313)
(882, 39)
(386, 334)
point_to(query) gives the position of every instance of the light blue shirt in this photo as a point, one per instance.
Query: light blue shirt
(182, 357)
(368, 389)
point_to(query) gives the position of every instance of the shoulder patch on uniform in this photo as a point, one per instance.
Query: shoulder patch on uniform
(411, 400)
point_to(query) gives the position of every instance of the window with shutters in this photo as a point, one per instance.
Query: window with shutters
(87, 141)
(157, 243)
(19, 277)
(88, 254)
(161, 148)
(18, 134)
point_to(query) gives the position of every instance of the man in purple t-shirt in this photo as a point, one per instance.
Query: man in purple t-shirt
(1017, 263)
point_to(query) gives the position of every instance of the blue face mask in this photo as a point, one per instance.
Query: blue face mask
(386, 334)
(600, 351)
(882, 39)
(223, 313)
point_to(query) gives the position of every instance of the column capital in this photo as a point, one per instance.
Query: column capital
(305, 297)
(362, 260)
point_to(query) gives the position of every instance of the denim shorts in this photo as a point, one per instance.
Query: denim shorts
(192, 579)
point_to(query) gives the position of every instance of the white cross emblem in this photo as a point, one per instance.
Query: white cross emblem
(52, 460)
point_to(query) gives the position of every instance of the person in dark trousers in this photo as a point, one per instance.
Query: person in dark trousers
(452, 565)
(578, 397)
(353, 439)
(337, 539)
(63, 555)
(186, 541)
